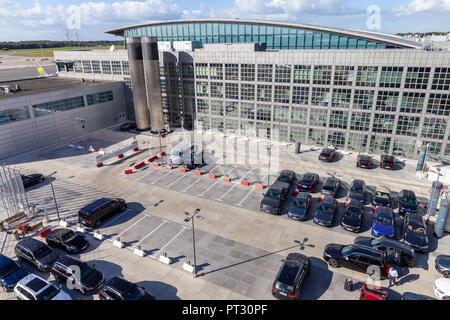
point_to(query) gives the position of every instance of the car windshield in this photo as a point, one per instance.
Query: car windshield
(413, 230)
(409, 202)
(326, 209)
(381, 195)
(69, 236)
(273, 195)
(357, 187)
(329, 187)
(177, 153)
(283, 179)
(346, 249)
(85, 270)
(135, 293)
(353, 212)
(48, 293)
(42, 252)
(387, 221)
(281, 286)
(8, 270)
(300, 204)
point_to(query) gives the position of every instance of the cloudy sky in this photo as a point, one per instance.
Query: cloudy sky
(52, 19)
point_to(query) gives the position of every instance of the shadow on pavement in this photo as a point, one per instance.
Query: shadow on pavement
(319, 280)
(161, 290)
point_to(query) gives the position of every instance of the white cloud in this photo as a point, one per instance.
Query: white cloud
(418, 6)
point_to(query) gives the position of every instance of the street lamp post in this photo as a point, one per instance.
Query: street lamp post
(53, 191)
(438, 170)
(193, 236)
(160, 147)
(83, 127)
(269, 148)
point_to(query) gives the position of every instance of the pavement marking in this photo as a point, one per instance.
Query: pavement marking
(171, 171)
(145, 216)
(150, 172)
(182, 229)
(125, 212)
(162, 223)
(235, 184)
(185, 189)
(218, 180)
(182, 176)
(253, 189)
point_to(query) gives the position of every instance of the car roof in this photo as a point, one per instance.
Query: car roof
(37, 284)
(68, 261)
(289, 272)
(309, 175)
(384, 211)
(358, 181)
(407, 193)
(328, 200)
(414, 219)
(354, 203)
(360, 249)
(302, 195)
(286, 172)
(394, 243)
(95, 205)
(298, 257)
(120, 284)
(387, 157)
(327, 150)
(277, 185)
(363, 157)
(59, 232)
(331, 180)
(31, 243)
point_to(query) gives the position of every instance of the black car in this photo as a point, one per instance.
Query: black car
(415, 296)
(300, 206)
(415, 233)
(357, 191)
(286, 176)
(118, 288)
(353, 216)
(360, 258)
(274, 198)
(407, 202)
(442, 265)
(308, 182)
(37, 253)
(331, 186)
(364, 161)
(327, 154)
(67, 240)
(326, 212)
(382, 197)
(387, 162)
(80, 274)
(32, 179)
(407, 255)
(93, 214)
(291, 277)
(131, 125)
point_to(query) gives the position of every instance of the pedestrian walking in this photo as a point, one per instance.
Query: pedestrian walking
(393, 276)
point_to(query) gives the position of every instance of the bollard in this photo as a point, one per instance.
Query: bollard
(16, 235)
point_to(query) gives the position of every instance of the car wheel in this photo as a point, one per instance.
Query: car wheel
(446, 274)
(333, 263)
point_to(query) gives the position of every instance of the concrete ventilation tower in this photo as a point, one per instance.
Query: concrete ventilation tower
(141, 110)
(152, 82)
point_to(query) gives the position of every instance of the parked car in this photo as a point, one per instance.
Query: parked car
(291, 277)
(326, 212)
(88, 280)
(32, 179)
(300, 206)
(286, 176)
(308, 182)
(274, 198)
(183, 154)
(382, 197)
(93, 214)
(415, 233)
(364, 161)
(415, 296)
(353, 216)
(67, 240)
(442, 265)
(407, 202)
(10, 273)
(130, 125)
(356, 191)
(37, 253)
(383, 222)
(387, 162)
(360, 258)
(407, 255)
(33, 287)
(118, 288)
(442, 288)
(327, 154)
(370, 292)
(331, 186)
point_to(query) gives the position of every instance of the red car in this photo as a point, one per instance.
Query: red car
(370, 292)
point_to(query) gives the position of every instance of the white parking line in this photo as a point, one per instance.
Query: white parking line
(125, 212)
(240, 203)
(218, 180)
(162, 223)
(145, 216)
(151, 171)
(183, 176)
(185, 189)
(237, 182)
(170, 171)
(183, 228)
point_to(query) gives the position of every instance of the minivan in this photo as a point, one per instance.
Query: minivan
(93, 214)
(183, 154)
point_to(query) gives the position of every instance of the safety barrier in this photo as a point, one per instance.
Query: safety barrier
(245, 182)
(211, 174)
(183, 169)
(259, 185)
(156, 164)
(199, 172)
(226, 177)
(169, 167)
(139, 165)
(102, 157)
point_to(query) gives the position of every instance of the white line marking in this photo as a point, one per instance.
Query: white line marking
(218, 180)
(131, 226)
(151, 171)
(183, 228)
(236, 183)
(253, 189)
(185, 189)
(171, 171)
(125, 212)
(183, 176)
(162, 223)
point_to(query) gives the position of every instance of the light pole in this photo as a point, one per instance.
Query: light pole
(432, 194)
(269, 148)
(83, 127)
(160, 147)
(53, 191)
(193, 236)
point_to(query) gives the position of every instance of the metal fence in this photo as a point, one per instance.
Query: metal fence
(12, 193)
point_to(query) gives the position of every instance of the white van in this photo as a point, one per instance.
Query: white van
(184, 154)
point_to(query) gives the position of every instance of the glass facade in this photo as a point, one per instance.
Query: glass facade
(14, 115)
(99, 97)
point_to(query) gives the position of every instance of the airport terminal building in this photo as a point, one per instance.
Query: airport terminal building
(356, 90)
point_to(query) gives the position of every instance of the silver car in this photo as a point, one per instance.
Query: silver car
(33, 287)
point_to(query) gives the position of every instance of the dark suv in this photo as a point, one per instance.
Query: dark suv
(274, 198)
(326, 212)
(32, 179)
(331, 186)
(88, 280)
(357, 191)
(360, 258)
(327, 154)
(286, 176)
(415, 233)
(96, 212)
(291, 277)
(353, 216)
(308, 182)
(364, 161)
(37, 253)
(120, 289)
(407, 202)
(387, 162)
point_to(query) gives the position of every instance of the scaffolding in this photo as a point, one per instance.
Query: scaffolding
(12, 193)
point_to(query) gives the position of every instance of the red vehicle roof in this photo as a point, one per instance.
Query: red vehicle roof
(370, 292)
